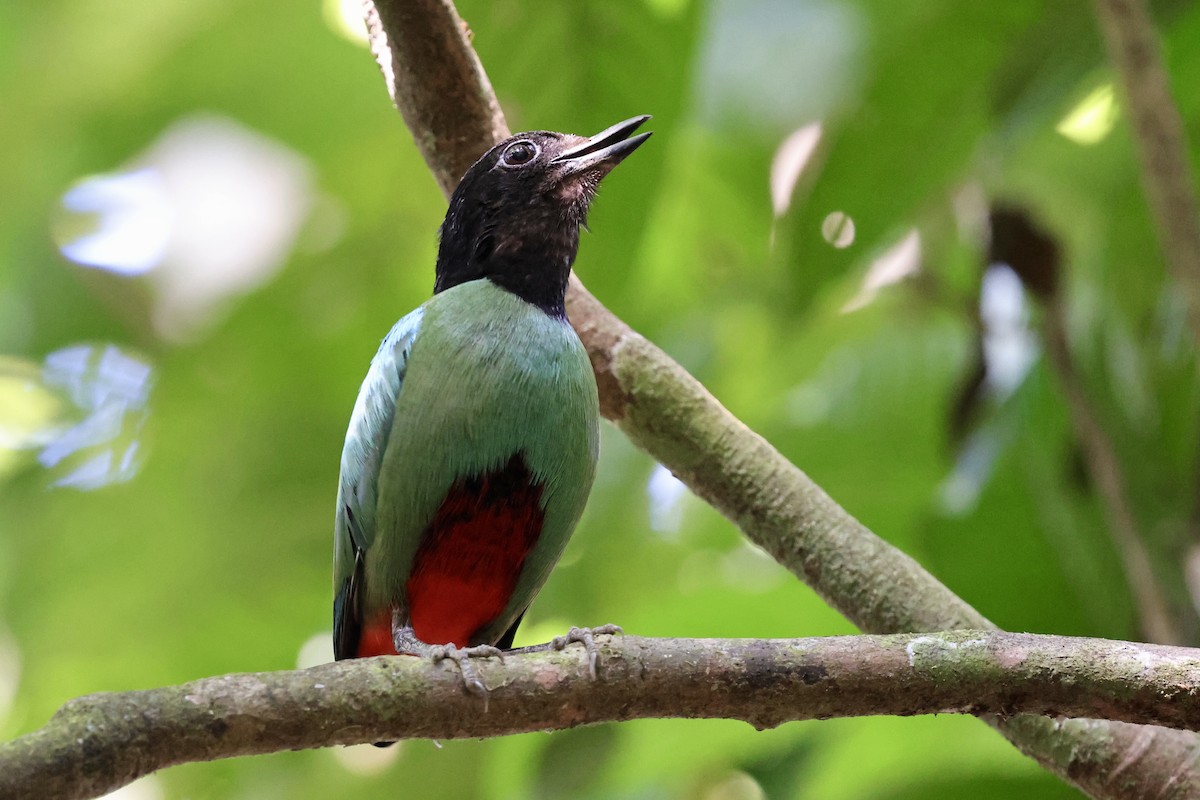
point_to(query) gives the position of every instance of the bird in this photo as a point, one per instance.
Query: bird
(473, 442)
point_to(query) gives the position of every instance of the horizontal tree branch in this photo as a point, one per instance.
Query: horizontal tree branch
(669, 414)
(97, 743)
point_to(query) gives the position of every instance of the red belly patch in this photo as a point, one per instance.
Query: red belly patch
(376, 637)
(471, 554)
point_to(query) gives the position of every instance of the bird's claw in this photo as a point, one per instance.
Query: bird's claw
(586, 637)
(462, 656)
(406, 642)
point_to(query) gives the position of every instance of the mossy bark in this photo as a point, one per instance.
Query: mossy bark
(97, 743)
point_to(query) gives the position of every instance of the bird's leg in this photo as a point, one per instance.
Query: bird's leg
(584, 636)
(407, 643)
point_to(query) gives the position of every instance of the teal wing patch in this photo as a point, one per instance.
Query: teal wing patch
(370, 427)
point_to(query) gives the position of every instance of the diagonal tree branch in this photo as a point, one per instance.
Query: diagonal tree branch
(1035, 255)
(1160, 138)
(452, 111)
(97, 743)
(1104, 467)
(1133, 48)
(675, 419)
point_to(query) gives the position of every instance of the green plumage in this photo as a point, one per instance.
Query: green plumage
(473, 377)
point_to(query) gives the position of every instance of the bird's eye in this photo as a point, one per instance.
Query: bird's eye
(519, 154)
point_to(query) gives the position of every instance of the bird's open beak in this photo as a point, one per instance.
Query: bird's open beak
(606, 149)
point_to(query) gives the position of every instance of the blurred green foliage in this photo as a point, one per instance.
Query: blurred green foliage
(210, 552)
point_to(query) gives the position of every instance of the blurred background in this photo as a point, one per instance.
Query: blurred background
(212, 214)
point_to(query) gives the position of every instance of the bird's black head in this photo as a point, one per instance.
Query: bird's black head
(515, 215)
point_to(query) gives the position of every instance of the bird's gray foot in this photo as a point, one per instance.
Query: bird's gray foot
(587, 638)
(583, 636)
(462, 657)
(407, 643)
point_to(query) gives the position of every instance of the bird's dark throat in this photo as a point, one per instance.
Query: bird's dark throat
(546, 291)
(535, 265)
